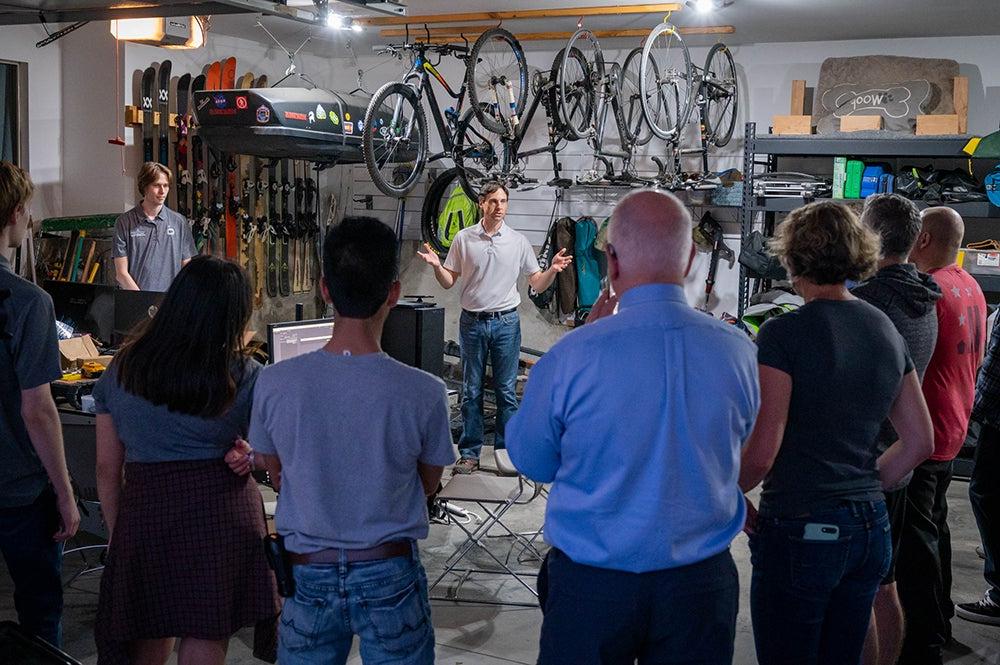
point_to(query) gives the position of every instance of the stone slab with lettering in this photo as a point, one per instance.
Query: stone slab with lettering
(897, 88)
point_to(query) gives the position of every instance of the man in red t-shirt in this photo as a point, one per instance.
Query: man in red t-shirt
(924, 569)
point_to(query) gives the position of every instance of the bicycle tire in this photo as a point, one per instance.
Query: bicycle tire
(369, 140)
(727, 122)
(437, 195)
(668, 131)
(486, 160)
(581, 128)
(553, 107)
(473, 73)
(635, 121)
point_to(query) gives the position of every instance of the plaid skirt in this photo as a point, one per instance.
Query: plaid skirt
(186, 559)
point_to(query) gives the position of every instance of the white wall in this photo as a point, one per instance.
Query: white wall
(72, 101)
(44, 150)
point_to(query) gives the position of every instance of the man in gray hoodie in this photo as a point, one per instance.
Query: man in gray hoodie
(908, 297)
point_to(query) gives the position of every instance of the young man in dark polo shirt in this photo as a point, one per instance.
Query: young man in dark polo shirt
(37, 507)
(152, 242)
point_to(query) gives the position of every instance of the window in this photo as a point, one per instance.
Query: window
(10, 104)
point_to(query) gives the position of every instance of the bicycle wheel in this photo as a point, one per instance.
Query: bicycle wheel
(394, 141)
(584, 103)
(721, 95)
(666, 65)
(447, 210)
(496, 77)
(480, 154)
(577, 82)
(630, 98)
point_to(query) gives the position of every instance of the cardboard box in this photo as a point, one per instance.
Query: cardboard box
(75, 351)
(860, 123)
(981, 262)
(792, 124)
(933, 125)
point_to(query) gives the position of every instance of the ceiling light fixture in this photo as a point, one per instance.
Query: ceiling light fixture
(708, 6)
(335, 21)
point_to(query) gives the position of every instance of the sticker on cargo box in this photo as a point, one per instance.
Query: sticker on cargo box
(241, 102)
(320, 112)
(292, 115)
(348, 127)
(334, 118)
(989, 259)
(263, 115)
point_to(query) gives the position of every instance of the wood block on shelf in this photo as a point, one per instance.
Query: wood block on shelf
(933, 125)
(860, 123)
(961, 97)
(798, 106)
(792, 124)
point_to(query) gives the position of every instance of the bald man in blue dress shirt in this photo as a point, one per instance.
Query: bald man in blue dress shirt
(637, 420)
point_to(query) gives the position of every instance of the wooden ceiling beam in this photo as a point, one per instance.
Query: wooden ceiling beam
(518, 14)
(472, 34)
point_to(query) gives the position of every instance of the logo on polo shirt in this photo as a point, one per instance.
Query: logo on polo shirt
(137, 233)
(170, 231)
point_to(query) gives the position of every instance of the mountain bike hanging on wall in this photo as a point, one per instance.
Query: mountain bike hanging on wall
(671, 87)
(495, 56)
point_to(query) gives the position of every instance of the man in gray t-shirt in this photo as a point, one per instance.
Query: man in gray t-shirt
(152, 242)
(490, 257)
(356, 442)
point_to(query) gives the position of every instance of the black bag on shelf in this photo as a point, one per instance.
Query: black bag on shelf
(758, 260)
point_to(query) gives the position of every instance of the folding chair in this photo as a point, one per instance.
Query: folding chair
(495, 496)
(80, 441)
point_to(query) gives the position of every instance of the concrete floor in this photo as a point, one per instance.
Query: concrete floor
(468, 634)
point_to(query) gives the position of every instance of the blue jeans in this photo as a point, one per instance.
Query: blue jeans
(598, 616)
(383, 602)
(34, 561)
(499, 341)
(811, 600)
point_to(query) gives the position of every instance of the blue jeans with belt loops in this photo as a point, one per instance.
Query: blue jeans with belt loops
(811, 600)
(383, 602)
(499, 341)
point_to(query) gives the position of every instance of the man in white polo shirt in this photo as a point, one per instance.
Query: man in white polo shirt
(489, 257)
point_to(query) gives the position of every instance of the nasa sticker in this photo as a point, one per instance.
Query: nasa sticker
(263, 115)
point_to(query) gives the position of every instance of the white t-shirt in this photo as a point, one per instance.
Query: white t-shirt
(490, 266)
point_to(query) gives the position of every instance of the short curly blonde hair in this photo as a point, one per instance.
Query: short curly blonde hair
(16, 190)
(825, 243)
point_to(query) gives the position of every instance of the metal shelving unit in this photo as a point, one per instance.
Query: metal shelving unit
(754, 148)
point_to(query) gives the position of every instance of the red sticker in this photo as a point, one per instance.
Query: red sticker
(241, 102)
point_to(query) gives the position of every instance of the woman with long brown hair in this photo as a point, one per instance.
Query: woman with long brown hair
(185, 558)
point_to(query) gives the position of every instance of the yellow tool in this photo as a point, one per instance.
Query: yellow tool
(92, 369)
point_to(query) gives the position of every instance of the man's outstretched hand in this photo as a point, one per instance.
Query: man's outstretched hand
(561, 260)
(429, 256)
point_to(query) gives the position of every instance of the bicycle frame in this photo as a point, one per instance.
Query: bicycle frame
(419, 78)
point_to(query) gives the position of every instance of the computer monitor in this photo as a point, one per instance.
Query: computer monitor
(86, 308)
(133, 307)
(287, 340)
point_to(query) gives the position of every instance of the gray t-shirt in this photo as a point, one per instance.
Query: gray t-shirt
(155, 248)
(349, 431)
(489, 267)
(28, 358)
(153, 433)
(846, 361)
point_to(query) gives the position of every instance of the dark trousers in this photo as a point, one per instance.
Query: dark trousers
(923, 573)
(597, 616)
(34, 562)
(811, 596)
(984, 493)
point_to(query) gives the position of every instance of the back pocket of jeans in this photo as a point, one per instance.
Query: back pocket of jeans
(401, 620)
(818, 565)
(301, 619)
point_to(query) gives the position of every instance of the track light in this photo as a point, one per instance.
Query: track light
(707, 6)
(335, 21)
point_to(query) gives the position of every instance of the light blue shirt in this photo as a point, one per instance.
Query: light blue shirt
(637, 420)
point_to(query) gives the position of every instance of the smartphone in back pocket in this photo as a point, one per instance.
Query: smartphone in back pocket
(814, 531)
